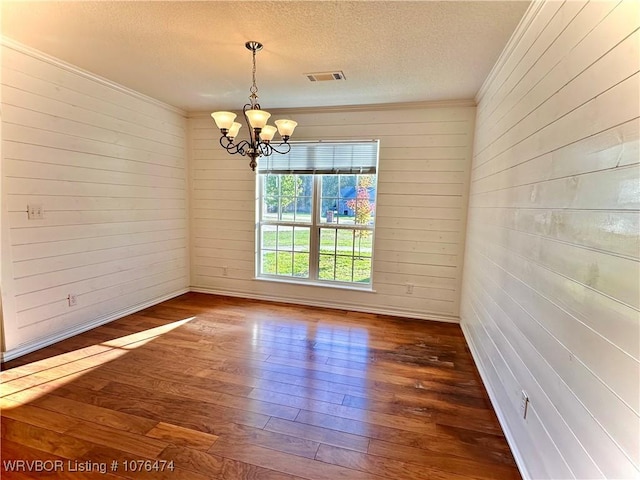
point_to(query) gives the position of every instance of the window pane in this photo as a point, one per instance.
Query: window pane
(270, 208)
(330, 185)
(363, 243)
(284, 265)
(268, 233)
(329, 210)
(346, 193)
(327, 267)
(268, 265)
(301, 239)
(344, 268)
(362, 270)
(287, 208)
(303, 209)
(287, 197)
(271, 193)
(345, 242)
(285, 238)
(301, 264)
(328, 240)
(358, 200)
(306, 189)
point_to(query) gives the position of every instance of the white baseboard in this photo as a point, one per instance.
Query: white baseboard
(337, 305)
(496, 407)
(76, 329)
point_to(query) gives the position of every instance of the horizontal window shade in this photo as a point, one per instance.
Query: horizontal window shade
(324, 158)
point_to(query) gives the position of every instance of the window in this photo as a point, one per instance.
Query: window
(317, 213)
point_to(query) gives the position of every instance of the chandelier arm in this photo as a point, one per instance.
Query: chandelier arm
(265, 149)
(233, 148)
(284, 150)
(243, 147)
(226, 142)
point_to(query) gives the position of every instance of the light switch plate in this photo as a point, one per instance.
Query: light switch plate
(35, 211)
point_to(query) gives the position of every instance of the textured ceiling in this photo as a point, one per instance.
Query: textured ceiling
(192, 55)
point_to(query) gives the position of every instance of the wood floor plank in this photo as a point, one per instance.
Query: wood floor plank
(379, 418)
(357, 427)
(385, 467)
(181, 436)
(481, 419)
(441, 461)
(234, 469)
(114, 438)
(92, 413)
(229, 406)
(151, 375)
(434, 438)
(194, 460)
(136, 465)
(319, 434)
(207, 419)
(242, 435)
(43, 439)
(230, 388)
(287, 463)
(39, 417)
(492, 444)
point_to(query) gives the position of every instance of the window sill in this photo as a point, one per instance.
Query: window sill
(311, 283)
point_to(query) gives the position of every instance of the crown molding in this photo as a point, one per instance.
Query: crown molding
(514, 41)
(37, 54)
(362, 108)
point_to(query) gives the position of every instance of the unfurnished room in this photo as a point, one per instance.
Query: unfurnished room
(320, 240)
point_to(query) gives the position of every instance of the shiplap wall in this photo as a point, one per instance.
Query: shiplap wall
(109, 168)
(425, 155)
(550, 294)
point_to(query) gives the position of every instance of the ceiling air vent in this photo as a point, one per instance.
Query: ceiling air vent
(325, 76)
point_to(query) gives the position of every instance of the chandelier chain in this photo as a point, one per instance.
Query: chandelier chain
(254, 88)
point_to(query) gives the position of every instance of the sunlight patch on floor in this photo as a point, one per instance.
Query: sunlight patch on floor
(24, 384)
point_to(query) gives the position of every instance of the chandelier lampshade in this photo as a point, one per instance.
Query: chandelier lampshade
(257, 118)
(260, 133)
(233, 131)
(224, 120)
(285, 127)
(267, 133)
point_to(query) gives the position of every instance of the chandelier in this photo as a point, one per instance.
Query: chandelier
(260, 134)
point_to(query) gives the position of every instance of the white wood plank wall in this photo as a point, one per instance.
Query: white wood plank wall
(425, 155)
(550, 294)
(108, 167)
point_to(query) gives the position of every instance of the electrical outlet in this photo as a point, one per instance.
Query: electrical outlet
(73, 299)
(524, 404)
(35, 212)
(225, 271)
(410, 288)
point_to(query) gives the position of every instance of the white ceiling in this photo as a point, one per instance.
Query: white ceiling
(192, 54)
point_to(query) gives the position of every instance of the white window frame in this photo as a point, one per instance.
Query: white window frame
(315, 226)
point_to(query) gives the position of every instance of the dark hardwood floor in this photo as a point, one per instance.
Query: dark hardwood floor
(209, 387)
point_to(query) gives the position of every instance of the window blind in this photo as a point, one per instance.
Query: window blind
(324, 158)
